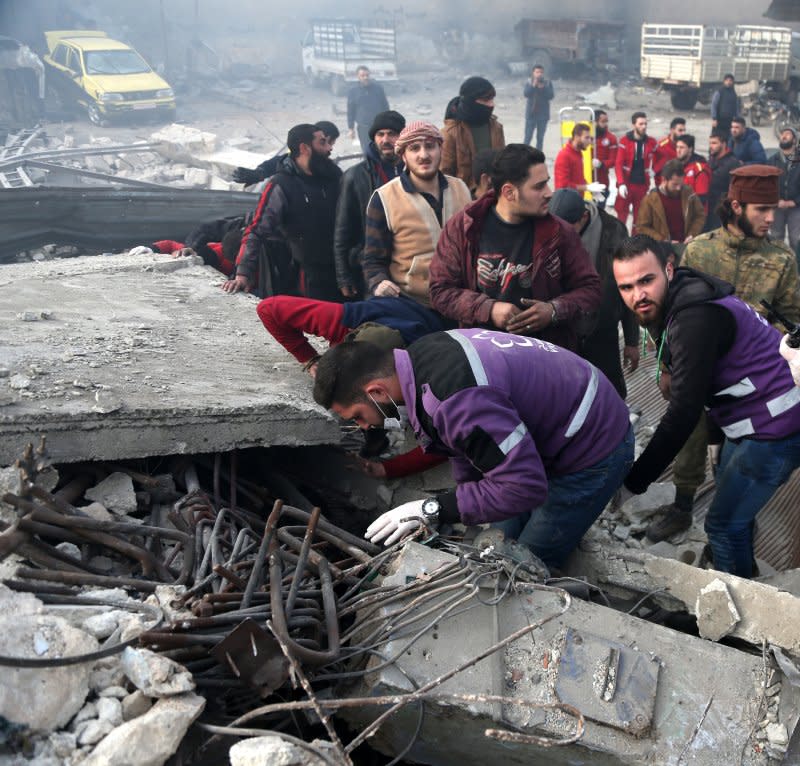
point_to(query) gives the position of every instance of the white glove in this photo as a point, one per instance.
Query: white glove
(792, 356)
(396, 523)
(597, 163)
(622, 190)
(140, 250)
(595, 187)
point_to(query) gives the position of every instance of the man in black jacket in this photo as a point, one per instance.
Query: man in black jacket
(364, 101)
(538, 95)
(725, 105)
(602, 234)
(288, 246)
(722, 161)
(381, 165)
(787, 214)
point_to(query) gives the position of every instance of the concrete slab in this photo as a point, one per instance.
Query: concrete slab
(127, 356)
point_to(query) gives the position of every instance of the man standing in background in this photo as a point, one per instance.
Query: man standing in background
(724, 107)
(605, 151)
(364, 102)
(538, 94)
(633, 168)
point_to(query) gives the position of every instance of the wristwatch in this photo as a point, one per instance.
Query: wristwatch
(430, 511)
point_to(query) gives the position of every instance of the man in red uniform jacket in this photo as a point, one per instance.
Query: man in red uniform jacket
(696, 172)
(665, 149)
(605, 150)
(634, 167)
(568, 168)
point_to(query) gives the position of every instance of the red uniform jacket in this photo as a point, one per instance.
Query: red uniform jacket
(606, 151)
(626, 154)
(697, 175)
(568, 168)
(665, 151)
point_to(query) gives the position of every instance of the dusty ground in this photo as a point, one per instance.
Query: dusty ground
(262, 112)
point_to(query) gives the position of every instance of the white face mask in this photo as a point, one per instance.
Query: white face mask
(393, 424)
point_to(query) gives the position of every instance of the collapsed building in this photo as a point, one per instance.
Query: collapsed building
(184, 575)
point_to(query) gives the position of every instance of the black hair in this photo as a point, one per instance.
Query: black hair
(726, 213)
(687, 139)
(671, 169)
(717, 133)
(637, 115)
(344, 370)
(300, 134)
(482, 163)
(599, 113)
(579, 128)
(511, 165)
(328, 128)
(637, 245)
(677, 121)
(739, 121)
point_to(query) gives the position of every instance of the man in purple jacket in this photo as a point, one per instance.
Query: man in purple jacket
(723, 357)
(538, 439)
(505, 263)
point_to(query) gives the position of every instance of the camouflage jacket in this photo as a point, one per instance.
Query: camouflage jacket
(757, 268)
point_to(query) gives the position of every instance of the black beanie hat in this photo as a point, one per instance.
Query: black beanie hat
(389, 120)
(476, 87)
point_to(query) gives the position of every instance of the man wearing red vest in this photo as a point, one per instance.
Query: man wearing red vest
(696, 173)
(665, 149)
(633, 167)
(568, 168)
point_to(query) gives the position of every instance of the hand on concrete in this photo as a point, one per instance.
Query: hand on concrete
(502, 313)
(630, 357)
(184, 252)
(387, 288)
(622, 190)
(537, 316)
(396, 523)
(237, 284)
(792, 356)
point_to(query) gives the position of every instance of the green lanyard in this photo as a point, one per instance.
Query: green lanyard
(660, 352)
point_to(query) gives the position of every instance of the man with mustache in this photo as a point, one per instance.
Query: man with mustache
(381, 165)
(723, 358)
(288, 246)
(406, 216)
(741, 253)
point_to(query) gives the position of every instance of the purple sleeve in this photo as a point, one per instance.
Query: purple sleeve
(482, 426)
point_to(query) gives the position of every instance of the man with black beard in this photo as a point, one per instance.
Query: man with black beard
(288, 246)
(721, 162)
(787, 214)
(725, 105)
(470, 128)
(381, 165)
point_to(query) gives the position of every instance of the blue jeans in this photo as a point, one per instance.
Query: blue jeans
(749, 474)
(535, 123)
(573, 503)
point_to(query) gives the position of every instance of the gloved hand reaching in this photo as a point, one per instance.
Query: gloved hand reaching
(246, 176)
(595, 187)
(597, 163)
(396, 523)
(791, 355)
(622, 190)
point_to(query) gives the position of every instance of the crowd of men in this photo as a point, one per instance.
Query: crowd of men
(464, 296)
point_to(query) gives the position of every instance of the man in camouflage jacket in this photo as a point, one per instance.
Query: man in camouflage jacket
(742, 253)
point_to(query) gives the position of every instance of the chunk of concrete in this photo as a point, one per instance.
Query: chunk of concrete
(641, 507)
(716, 612)
(777, 735)
(155, 675)
(152, 738)
(43, 699)
(274, 751)
(115, 492)
(109, 709)
(135, 704)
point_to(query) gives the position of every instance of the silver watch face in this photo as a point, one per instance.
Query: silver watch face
(431, 507)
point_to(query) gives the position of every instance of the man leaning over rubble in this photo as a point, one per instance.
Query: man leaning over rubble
(504, 262)
(381, 165)
(723, 357)
(405, 216)
(293, 225)
(759, 269)
(538, 439)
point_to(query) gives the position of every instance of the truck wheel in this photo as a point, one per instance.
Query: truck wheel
(94, 115)
(683, 99)
(338, 85)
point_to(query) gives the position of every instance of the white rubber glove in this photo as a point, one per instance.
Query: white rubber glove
(595, 187)
(396, 523)
(622, 190)
(140, 250)
(792, 356)
(597, 163)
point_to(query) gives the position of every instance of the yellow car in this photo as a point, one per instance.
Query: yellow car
(106, 77)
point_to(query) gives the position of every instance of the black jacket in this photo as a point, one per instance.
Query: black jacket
(700, 333)
(296, 211)
(790, 180)
(363, 103)
(358, 183)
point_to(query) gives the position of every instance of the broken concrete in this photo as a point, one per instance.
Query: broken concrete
(115, 493)
(717, 615)
(152, 738)
(275, 751)
(155, 675)
(168, 363)
(645, 690)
